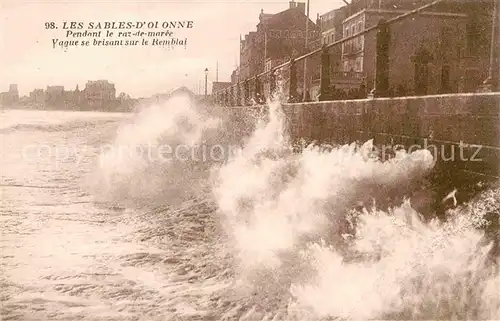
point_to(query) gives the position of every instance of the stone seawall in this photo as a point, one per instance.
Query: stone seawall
(462, 131)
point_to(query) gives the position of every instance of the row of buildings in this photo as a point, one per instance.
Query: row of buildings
(98, 94)
(444, 49)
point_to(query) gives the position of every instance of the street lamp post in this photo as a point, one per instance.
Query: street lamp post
(206, 75)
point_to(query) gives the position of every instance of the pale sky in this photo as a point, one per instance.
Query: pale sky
(27, 57)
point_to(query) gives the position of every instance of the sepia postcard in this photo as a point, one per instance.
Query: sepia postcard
(171, 160)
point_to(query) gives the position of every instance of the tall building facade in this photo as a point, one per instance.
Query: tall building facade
(278, 37)
(248, 54)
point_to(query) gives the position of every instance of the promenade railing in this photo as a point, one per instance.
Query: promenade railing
(265, 84)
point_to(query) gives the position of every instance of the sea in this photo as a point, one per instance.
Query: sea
(167, 214)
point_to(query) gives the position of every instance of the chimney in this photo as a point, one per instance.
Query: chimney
(318, 20)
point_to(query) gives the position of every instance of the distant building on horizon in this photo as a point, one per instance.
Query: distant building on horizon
(78, 96)
(10, 97)
(37, 97)
(97, 95)
(100, 95)
(54, 96)
(99, 90)
(13, 89)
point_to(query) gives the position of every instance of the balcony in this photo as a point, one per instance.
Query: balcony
(353, 48)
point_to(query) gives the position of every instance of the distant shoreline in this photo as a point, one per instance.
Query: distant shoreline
(5, 108)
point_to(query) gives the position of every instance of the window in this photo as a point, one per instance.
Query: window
(359, 64)
(353, 42)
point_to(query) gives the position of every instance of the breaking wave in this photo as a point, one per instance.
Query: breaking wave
(164, 155)
(329, 232)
